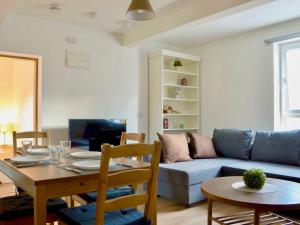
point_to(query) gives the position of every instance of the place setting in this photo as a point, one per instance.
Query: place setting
(29, 157)
(60, 156)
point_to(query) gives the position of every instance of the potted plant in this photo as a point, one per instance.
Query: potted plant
(177, 65)
(254, 178)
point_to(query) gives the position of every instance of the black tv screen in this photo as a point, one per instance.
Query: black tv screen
(90, 134)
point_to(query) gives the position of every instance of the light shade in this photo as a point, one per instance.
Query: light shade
(140, 10)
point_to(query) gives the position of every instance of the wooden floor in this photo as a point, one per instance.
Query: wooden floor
(170, 213)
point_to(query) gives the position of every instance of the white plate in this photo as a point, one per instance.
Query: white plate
(39, 151)
(268, 188)
(86, 155)
(29, 159)
(89, 164)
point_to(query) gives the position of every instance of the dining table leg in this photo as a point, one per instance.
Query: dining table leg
(40, 204)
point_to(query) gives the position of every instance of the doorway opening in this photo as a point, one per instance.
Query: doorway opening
(19, 94)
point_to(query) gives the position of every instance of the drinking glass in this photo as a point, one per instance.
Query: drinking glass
(26, 146)
(54, 154)
(65, 147)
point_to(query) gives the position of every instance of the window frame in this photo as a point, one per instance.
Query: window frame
(283, 88)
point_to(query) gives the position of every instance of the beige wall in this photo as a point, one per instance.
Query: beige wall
(24, 94)
(16, 95)
(6, 69)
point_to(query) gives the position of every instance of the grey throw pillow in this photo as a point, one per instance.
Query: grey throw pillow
(233, 143)
(277, 147)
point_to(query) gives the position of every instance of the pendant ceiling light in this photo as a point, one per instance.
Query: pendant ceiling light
(140, 10)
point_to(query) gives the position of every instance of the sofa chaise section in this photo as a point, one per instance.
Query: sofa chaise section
(273, 170)
(181, 181)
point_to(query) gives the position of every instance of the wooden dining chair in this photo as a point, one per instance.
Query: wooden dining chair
(36, 136)
(120, 210)
(90, 197)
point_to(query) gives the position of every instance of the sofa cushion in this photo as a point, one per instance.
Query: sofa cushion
(273, 170)
(201, 146)
(233, 143)
(277, 147)
(174, 147)
(192, 172)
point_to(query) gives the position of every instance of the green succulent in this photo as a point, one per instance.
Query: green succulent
(254, 178)
(177, 63)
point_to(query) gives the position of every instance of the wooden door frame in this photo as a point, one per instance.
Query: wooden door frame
(37, 84)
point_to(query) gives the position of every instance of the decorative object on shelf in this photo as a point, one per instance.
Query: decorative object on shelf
(167, 109)
(178, 65)
(254, 178)
(184, 82)
(181, 125)
(165, 123)
(177, 93)
(140, 10)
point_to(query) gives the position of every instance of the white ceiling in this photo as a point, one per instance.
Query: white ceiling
(183, 23)
(200, 32)
(112, 12)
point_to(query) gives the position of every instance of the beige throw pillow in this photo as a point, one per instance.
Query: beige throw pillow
(201, 146)
(174, 147)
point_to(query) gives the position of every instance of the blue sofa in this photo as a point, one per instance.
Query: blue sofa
(277, 153)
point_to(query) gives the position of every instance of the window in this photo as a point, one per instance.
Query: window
(289, 85)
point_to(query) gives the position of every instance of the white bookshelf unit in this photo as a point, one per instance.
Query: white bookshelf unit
(166, 89)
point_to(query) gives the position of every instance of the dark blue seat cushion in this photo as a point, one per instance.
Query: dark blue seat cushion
(277, 147)
(111, 193)
(13, 207)
(233, 143)
(85, 215)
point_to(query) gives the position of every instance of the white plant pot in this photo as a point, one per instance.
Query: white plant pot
(178, 68)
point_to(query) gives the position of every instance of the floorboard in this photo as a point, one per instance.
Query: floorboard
(170, 213)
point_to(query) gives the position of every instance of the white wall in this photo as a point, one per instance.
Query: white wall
(108, 90)
(237, 80)
(116, 86)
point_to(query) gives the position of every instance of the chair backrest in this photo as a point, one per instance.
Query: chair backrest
(147, 174)
(137, 137)
(35, 135)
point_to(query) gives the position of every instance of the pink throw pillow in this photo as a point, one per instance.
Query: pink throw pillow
(201, 146)
(174, 147)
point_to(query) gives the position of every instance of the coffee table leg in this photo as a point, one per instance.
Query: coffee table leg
(209, 211)
(256, 217)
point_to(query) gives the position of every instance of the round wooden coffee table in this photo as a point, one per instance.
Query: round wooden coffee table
(286, 197)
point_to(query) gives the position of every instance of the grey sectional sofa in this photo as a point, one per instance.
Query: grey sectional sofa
(277, 153)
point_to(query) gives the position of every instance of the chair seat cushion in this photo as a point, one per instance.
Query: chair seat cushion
(13, 207)
(85, 215)
(111, 193)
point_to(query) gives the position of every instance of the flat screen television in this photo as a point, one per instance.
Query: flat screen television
(90, 134)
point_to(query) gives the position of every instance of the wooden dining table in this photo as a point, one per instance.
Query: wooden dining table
(45, 181)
